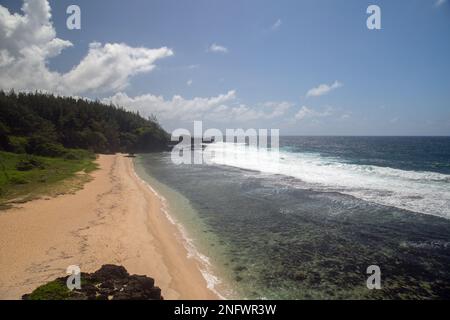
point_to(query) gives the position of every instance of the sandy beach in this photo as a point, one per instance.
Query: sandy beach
(114, 219)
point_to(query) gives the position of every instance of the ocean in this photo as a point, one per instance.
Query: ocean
(307, 222)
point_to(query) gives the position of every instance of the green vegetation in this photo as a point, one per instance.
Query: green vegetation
(24, 177)
(45, 125)
(54, 290)
(110, 282)
(45, 139)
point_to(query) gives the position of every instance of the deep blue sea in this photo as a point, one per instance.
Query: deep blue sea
(306, 222)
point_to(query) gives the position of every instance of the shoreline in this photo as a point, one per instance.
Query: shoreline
(184, 234)
(116, 218)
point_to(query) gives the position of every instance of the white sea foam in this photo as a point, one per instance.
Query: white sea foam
(212, 281)
(418, 191)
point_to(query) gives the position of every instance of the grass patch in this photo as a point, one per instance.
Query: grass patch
(24, 177)
(55, 290)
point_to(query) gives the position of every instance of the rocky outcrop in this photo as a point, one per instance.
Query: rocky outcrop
(110, 282)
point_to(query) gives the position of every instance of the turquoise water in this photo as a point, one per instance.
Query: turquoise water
(310, 229)
(196, 236)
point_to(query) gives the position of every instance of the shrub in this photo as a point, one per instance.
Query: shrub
(18, 144)
(24, 165)
(77, 154)
(5, 144)
(29, 164)
(55, 290)
(45, 147)
(17, 180)
(71, 156)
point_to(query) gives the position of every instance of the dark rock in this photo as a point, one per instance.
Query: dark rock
(143, 281)
(154, 293)
(102, 297)
(110, 271)
(121, 296)
(139, 295)
(110, 282)
(89, 289)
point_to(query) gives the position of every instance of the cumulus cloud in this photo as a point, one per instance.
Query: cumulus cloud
(323, 89)
(276, 25)
(305, 113)
(110, 66)
(245, 113)
(175, 108)
(221, 108)
(217, 48)
(28, 41)
(189, 82)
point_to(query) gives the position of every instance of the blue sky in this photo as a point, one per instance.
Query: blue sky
(268, 55)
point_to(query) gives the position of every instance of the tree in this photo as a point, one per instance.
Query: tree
(52, 123)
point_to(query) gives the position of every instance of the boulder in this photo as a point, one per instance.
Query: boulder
(110, 282)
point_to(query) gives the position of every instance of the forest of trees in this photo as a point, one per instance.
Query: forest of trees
(48, 125)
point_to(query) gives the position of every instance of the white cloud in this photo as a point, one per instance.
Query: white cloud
(221, 108)
(189, 82)
(175, 108)
(323, 89)
(217, 48)
(276, 25)
(305, 113)
(109, 67)
(244, 113)
(279, 108)
(28, 41)
(439, 3)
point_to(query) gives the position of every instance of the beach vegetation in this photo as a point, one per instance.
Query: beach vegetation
(24, 177)
(54, 290)
(48, 143)
(46, 125)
